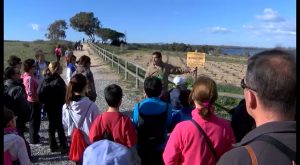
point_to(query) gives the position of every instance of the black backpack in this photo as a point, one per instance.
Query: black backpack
(151, 128)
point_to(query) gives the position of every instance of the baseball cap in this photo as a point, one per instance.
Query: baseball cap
(178, 80)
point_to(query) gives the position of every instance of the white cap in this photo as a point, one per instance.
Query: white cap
(179, 80)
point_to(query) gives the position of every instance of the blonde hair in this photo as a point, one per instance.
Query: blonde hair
(204, 93)
(53, 67)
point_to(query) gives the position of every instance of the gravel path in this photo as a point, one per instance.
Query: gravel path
(103, 76)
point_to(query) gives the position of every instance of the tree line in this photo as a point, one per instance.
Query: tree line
(87, 23)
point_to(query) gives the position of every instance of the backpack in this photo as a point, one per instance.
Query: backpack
(151, 128)
(7, 158)
(78, 144)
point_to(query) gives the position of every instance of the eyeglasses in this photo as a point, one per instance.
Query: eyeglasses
(243, 85)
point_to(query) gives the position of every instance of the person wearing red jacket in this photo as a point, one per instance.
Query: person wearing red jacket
(112, 124)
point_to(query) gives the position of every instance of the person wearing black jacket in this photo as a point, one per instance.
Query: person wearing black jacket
(14, 98)
(52, 94)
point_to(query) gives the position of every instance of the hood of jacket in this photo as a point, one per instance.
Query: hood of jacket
(9, 141)
(79, 108)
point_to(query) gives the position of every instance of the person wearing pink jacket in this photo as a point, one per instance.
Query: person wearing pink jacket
(187, 144)
(31, 86)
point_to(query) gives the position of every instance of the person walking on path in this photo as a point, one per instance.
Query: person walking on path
(83, 67)
(270, 94)
(162, 70)
(58, 52)
(31, 86)
(52, 93)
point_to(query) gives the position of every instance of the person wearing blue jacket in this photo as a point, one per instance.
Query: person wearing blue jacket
(152, 119)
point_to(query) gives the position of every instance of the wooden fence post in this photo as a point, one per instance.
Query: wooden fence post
(136, 77)
(126, 74)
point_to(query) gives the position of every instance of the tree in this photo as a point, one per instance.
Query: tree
(85, 22)
(109, 34)
(57, 30)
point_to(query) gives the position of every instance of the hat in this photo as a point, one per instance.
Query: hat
(179, 80)
(70, 52)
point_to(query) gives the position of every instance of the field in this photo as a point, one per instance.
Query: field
(26, 50)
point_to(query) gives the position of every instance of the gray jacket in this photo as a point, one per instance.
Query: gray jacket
(284, 131)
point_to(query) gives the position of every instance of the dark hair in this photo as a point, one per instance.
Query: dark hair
(113, 95)
(272, 74)
(76, 84)
(184, 98)
(204, 90)
(8, 115)
(28, 64)
(38, 53)
(152, 86)
(69, 59)
(84, 60)
(14, 60)
(9, 72)
(157, 54)
(58, 46)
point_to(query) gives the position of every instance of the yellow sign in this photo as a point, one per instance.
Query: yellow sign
(195, 59)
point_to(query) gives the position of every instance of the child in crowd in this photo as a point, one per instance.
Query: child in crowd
(185, 110)
(84, 64)
(71, 67)
(187, 143)
(31, 86)
(112, 123)
(15, 151)
(52, 94)
(78, 111)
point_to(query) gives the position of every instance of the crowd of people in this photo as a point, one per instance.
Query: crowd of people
(168, 126)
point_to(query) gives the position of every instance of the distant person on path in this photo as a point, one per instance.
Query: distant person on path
(52, 94)
(14, 61)
(187, 144)
(14, 147)
(71, 68)
(270, 94)
(162, 70)
(82, 40)
(31, 86)
(58, 52)
(152, 118)
(78, 111)
(112, 123)
(83, 67)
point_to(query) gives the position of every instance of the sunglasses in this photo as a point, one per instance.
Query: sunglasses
(243, 85)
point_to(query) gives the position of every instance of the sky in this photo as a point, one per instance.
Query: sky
(258, 23)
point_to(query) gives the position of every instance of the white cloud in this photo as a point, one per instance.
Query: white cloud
(218, 29)
(35, 27)
(272, 24)
(270, 15)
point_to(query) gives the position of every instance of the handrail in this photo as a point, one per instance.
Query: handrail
(115, 60)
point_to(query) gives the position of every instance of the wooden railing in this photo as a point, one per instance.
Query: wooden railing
(136, 71)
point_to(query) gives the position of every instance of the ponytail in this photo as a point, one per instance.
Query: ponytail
(205, 112)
